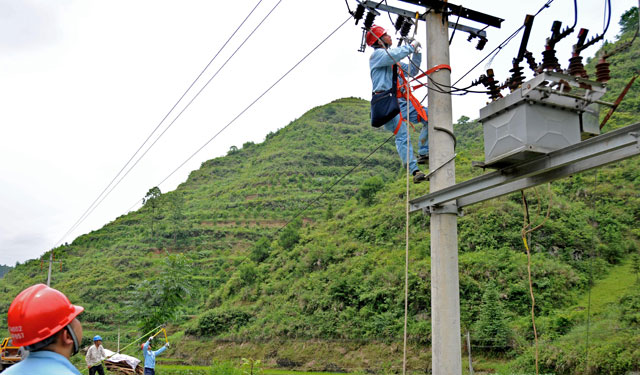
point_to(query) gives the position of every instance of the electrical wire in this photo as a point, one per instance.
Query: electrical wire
(423, 72)
(350, 171)
(348, 7)
(455, 27)
(590, 280)
(195, 96)
(332, 185)
(504, 43)
(575, 14)
(607, 7)
(253, 102)
(93, 205)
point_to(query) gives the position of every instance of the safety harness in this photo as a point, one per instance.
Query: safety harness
(403, 83)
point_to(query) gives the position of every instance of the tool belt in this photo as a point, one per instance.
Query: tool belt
(384, 104)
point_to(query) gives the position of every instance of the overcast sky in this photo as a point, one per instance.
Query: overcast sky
(83, 83)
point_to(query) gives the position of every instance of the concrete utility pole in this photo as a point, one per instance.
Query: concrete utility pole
(49, 274)
(445, 290)
(51, 261)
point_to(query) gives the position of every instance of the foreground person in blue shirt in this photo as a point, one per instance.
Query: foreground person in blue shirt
(381, 62)
(42, 320)
(150, 356)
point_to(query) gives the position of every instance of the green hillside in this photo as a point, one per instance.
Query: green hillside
(253, 257)
(4, 269)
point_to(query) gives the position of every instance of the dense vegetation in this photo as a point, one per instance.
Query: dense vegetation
(4, 269)
(253, 248)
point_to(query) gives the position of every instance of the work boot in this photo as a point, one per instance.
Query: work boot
(423, 159)
(419, 176)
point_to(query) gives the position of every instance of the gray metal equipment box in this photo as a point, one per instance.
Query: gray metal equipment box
(547, 113)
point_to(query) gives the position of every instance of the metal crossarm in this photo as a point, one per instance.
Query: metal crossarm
(459, 10)
(372, 4)
(607, 148)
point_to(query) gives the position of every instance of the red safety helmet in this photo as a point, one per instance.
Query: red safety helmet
(375, 33)
(37, 313)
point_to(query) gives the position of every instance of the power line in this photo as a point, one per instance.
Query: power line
(192, 100)
(440, 89)
(93, 205)
(504, 43)
(251, 104)
(332, 185)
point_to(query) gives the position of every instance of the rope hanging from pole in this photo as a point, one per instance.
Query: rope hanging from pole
(406, 250)
(527, 229)
(591, 256)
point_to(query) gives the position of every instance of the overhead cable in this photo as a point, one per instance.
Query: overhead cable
(332, 185)
(504, 43)
(252, 103)
(194, 97)
(93, 205)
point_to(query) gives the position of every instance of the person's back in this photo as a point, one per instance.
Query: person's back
(150, 356)
(43, 321)
(42, 362)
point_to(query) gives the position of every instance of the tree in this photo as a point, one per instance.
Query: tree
(158, 301)
(491, 330)
(463, 120)
(635, 265)
(177, 216)
(369, 188)
(290, 236)
(152, 199)
(629, 20)
(260, 250)
(328, 214)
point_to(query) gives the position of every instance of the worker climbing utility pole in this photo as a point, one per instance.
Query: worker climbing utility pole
(445, 291)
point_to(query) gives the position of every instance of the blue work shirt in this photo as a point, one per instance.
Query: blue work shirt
(381, 61)
(150, 355)
(43, 362)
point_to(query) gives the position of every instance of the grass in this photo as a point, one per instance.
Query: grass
(197, 370)
(608, 290)
(290, 372)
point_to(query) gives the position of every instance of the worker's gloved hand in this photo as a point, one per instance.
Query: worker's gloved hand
(416, 46)
(150, 338)
(167, 345)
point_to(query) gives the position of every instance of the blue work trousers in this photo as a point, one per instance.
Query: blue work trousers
(402, 135)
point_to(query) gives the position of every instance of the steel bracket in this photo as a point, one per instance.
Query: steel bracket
(373, 5)
(451, 208)
(637, 137)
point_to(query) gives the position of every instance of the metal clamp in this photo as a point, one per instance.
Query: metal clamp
(442, 165)
(637, 137)
(451, 208)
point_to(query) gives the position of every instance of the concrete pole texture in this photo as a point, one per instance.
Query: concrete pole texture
(445, 293)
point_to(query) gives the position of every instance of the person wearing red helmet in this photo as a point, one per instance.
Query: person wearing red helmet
(381, 64)
(43, 321)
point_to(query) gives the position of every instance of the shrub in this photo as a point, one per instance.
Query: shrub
(260, 250)
(491, 329)
(218, 321)
(369, 188)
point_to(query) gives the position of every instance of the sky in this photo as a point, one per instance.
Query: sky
(83, 83)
